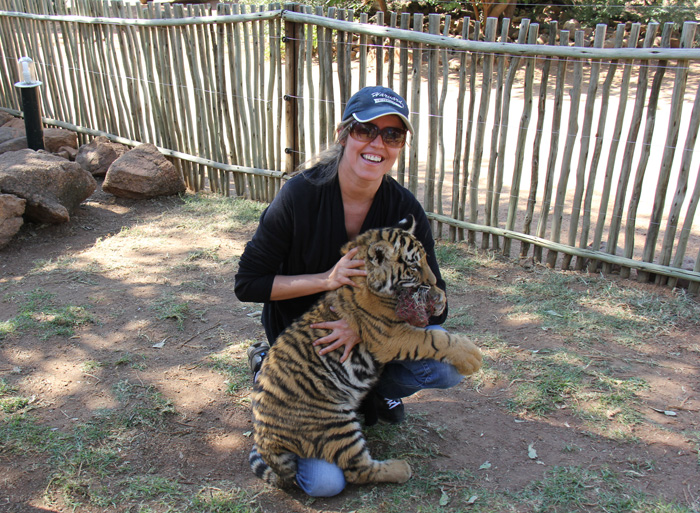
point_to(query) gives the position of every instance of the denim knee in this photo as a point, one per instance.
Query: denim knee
(319, 478)
(402, 378)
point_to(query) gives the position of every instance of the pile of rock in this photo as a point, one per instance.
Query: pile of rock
(46, 186)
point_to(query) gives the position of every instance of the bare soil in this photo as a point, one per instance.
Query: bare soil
(207, 440)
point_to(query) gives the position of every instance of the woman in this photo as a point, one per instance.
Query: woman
(293, 257)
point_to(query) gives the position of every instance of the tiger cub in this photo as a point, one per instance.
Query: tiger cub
(304, 405)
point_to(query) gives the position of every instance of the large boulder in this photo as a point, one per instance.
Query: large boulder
(98, 155)
(143, 173)
(8, 133)
(15, 123)
(11, 210)
(55, 139)
(52, 186)
(5, 117)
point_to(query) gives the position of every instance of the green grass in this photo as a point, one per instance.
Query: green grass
(40, 315)
(170, 307)
(586, 309)
(90, 469)
(546, 381)
(9, 402)
(455, 262)
(216, 213)
(233, 364)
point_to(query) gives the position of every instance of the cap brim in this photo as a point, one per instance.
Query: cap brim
(368, 116)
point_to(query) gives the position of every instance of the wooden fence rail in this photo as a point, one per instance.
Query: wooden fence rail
(555, 141)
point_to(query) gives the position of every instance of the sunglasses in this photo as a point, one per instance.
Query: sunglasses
(368, 132)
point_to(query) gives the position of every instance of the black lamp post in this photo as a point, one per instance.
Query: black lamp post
(29, 88)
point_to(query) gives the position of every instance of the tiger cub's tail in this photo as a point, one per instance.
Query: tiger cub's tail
(262, 469)
(285, 463)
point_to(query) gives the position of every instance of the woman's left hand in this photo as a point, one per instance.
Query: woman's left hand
(341, 335)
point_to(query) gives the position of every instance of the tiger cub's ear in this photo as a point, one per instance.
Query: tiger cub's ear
(408, 224)
(378, 252)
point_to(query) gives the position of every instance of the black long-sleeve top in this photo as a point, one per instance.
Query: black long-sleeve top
(302, 232)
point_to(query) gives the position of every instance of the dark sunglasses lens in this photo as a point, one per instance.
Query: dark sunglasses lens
(393, 137)
(364, 132)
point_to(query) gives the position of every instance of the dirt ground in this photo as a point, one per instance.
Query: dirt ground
(207, 439)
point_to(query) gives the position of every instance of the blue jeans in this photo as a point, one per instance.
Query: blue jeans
(401, 378)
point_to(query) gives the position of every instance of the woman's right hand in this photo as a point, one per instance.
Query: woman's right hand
(343, 271)
(290, 287)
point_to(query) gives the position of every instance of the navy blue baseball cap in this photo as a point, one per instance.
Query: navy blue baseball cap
(373, 102)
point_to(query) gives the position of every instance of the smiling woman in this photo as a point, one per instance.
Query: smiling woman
(293, 258)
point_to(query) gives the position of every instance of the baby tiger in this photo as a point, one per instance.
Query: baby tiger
(304, 405)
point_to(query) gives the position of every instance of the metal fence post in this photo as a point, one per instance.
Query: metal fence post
(29, 88)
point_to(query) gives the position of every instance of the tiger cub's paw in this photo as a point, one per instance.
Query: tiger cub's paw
(395, 471)
(469, 360)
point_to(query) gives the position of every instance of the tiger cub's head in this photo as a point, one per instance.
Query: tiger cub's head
(396, 264)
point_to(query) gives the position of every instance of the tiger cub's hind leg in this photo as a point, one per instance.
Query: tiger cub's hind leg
(363, 469)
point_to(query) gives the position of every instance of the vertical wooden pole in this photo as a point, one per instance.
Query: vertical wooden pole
(537, 144)
(291, 50)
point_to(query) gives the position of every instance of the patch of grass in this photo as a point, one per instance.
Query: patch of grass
(459, 319)
(546, 381)
(38, 313)
(170, 307)
(218, 213)
(70, 268)
(233, 363)
(415, 439)
(142, 404)
(587, 309)
(92, 365)
(9, 402)
(455, 262)
(574, 489)
(203, 254)
(561, 490)
(218, 500)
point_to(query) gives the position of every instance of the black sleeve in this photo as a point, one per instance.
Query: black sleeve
(265, 252)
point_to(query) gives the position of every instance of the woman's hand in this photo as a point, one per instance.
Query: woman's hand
(343, 271)
(341, 335)
(290, 287)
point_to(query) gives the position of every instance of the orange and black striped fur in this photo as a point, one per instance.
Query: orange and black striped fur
(305, 404)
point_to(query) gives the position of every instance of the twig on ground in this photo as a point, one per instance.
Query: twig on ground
(199, 333)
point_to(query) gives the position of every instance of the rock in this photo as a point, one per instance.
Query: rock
(16, 144)
(57, 138)
(98, 155)
(8, 133)
(14, 139)
(143, 173)
(66, 152)
(5, 117)
(52, 186)
(11, 210)
(16, 123)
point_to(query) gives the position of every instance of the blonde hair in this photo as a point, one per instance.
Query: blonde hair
(328, 160)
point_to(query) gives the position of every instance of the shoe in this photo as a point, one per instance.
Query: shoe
(390, 410)
(374, 408)
(256, 354)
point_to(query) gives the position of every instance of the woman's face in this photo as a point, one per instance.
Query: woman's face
(370, 161)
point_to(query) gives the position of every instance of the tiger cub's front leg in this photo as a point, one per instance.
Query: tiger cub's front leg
(408, 343)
